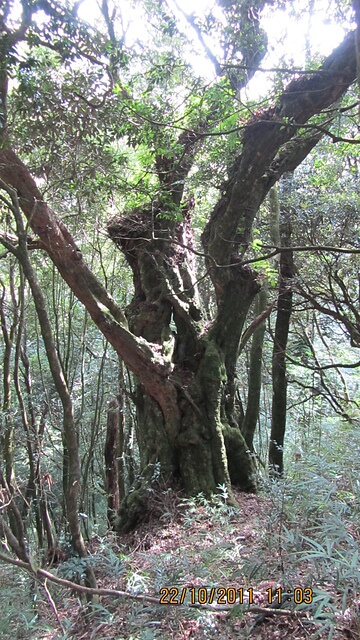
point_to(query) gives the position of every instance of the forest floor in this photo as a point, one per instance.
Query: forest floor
(228, 562)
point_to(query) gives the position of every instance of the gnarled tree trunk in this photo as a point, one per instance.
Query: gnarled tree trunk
(204, 447)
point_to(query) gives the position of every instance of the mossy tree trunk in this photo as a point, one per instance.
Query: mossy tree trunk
(203, 446)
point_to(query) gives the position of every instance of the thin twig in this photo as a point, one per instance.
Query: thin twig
(53, 605)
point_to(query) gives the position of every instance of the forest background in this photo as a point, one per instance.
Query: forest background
(179, 278)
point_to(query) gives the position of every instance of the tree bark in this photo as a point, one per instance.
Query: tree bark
(254, 383)
(279, 399)
(111, 454)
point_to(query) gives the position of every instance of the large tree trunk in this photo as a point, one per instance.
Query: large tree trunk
(207, 451)
(205, 448)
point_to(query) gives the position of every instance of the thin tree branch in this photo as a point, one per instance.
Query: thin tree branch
(336, 365)
(41, 573)
(53, 605)
(191, 20)
(299, 248)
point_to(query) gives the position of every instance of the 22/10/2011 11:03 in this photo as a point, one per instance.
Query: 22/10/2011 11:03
(232, 595)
